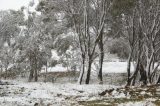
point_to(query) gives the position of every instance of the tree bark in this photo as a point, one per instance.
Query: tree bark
(82, 71)
(35, 68)
(148, 68)
(100, 74)
(143, 75)
(135, 73)
(88, 72)
(31, 75)
(128, 69)
(32, 69)
(154, 70)
(158, 81)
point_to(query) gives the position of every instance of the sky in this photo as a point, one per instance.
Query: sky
(13, 4)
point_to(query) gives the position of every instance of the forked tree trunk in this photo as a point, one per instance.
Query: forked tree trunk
(148, 70)
(154, 70)
(132, 79)
(88, 43)
(135, 74)
(100, 74)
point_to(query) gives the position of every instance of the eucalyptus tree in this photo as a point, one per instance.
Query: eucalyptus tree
(100, 20)
(126, 11)
(87, 20)
(37, 47)
(32, 44)
(142, 29)
(9, 29)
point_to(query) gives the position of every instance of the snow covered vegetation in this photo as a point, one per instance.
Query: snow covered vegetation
(81, 53)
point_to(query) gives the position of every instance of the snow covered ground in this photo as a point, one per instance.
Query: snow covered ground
(108, 67)
(22, 93)
(116, 67)
(47, 94)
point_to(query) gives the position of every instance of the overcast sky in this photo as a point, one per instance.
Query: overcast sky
(13, 4)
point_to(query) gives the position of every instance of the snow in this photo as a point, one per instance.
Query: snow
(23, 93)
(55, 55)
(57, 68)
(112, 65)
(143, 93)
(116, 67)
(108, 67)
(28, 93)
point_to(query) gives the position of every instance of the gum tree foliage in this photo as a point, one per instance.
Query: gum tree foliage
(29, 41)
(139, 25)
(60, 27)
(120, 47)
(25, 45)
(86, 19)
(9, 29)
(34, 45)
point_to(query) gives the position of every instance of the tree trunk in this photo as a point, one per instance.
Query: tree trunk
(6, 73)
(154, 70)
(158, 81)
(135, 73)
(35, 69)
(31, 75)
(88, 72)
(148, 67)
(45, 80)
(148, 70)
(100, 74)
(36, 76)
(143, 75)
(128, 69)
(82, 70)
(31, 71)
(134, 76)
(32, 68)
(1, 72)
